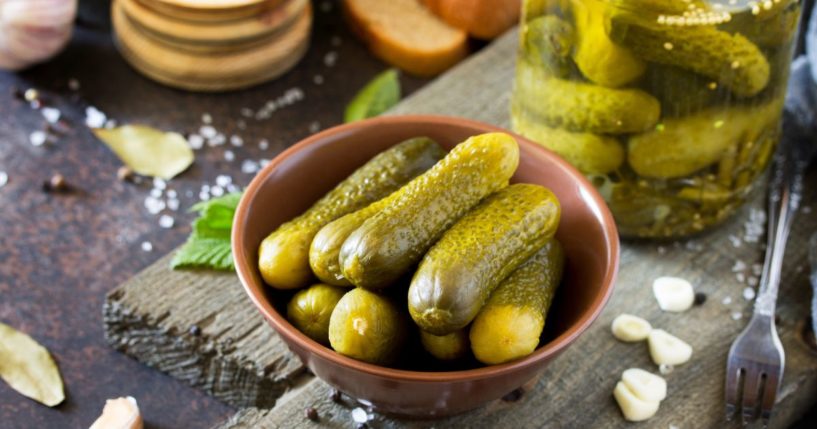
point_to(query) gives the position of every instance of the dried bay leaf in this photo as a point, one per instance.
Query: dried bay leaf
(148, 151)
(29, 368)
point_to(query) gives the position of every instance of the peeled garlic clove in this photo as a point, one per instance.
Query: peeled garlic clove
(645, 385)
(37, 13)
(673, 293)
(668, 349)
(119, 413)
(629, 328)
(633, 408)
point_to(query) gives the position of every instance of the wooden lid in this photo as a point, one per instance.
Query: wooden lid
(181, 32)
(193, 11)
(209, 71)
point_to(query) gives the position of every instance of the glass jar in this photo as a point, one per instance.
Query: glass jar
(671, 107)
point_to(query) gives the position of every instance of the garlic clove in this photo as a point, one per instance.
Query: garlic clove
(629, 328)
(633, 408)
(119, 413)
(673, 293)
(645, 385)
(37, 13)
(668, 349)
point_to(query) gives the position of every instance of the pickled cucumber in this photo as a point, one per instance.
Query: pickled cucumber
(510, 324)
(681, 146)
(472, 258)
(283, 257)
(368, 327)
(547, 42)
(578, 106)
(599, 59)
(776, 29)
(680, 91)
(310, 309)
(590, 153)
(446, 347)
(670, 7)
(390, 242)
(730, 59)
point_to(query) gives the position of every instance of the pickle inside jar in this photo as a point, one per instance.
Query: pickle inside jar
(717, 70)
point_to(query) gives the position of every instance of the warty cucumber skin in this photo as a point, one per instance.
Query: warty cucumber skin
(389, 243)
(547, 42)
(283, 257)
(458, 274)
(730, 59)
(529, 291)
(584, 107)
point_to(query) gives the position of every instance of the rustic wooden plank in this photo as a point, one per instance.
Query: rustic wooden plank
(201, 328)
(582, 378)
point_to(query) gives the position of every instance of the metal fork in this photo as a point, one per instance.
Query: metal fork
(756, 359)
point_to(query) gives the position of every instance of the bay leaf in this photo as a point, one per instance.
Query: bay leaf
(29, 368)
(148, 151)
(376, 97)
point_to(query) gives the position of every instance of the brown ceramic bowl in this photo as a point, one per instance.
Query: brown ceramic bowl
(302, 174)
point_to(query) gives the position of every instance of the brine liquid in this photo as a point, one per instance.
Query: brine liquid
(671, 107)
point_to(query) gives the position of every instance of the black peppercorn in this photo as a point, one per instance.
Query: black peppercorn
(195, 330)
(311, 413)
(700, 298)
(514, 396)
(335, 395)
(57, 183)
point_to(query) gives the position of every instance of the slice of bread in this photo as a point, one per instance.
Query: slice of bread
(407, 35)
(483, 19)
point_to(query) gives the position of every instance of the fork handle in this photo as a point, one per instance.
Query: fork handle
(784, 198)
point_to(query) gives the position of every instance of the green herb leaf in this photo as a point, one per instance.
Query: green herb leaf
(376, 97)
(148, 151)
(29, 368)
(209, 244)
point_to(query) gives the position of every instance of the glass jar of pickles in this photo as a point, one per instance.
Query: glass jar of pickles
(671, 107)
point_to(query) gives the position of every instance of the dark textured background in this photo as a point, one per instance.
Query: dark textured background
(60, 254)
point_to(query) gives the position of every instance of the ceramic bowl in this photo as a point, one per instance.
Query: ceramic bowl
(299, 176)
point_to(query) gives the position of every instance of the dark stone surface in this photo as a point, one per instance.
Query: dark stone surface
(61, 252)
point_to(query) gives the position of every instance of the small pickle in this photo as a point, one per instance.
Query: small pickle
(665, 7)
(310, 309)
(389, 243)
(449, 347)
(777, 28)
(368, 327)
(702, 49)
(680, 91)
(599, 59)
(472, 258)
(283, 257)
(510, 324)
(578, 106)
(547, 41)
(590, 153)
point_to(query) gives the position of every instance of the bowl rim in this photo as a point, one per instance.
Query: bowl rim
(244, 267)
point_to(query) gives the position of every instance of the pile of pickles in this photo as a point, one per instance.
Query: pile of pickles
(420, 249)
(671, 107)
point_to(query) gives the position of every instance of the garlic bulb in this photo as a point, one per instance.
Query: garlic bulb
(32, 31)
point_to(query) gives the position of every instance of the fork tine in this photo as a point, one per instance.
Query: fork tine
(751, 390)
(733, 384)
(769, 396)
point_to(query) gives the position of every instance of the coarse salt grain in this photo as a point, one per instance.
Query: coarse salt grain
(236, 141)
(330, 59)
(195, 141)
(156, 193)
(166, 221)
(94, 118)
(662, 250)
(206, 119)
(263, 144)
(232, 188)
(737, 315)
(359, 415)
(317, 79)
(110, 123)
(748, 293)
(217, 191)
(665, 369)
(757, 269)
(154, 205)
(147, 246)
(188, 194)
(752, 281)
(217, 140)
(314, 127)
(806, 209)
(173, 204)
(740, 277)
(208, 131)
(249, 166)
(52, 115)
(4, 178)
(171, 193)
(727, 300)
(159, 183)
(204, 196)
(247, 112)
(229, 155)
(73, 84)
(735, 240)
(739, 266)
(37, 138)
(241, 124)
(223, 180)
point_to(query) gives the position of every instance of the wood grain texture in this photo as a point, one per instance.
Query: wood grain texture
(575, 389)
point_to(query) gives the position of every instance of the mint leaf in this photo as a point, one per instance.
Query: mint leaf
(375, 98)
(209, 244)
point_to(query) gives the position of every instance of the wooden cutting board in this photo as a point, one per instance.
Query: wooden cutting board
(200, 328)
